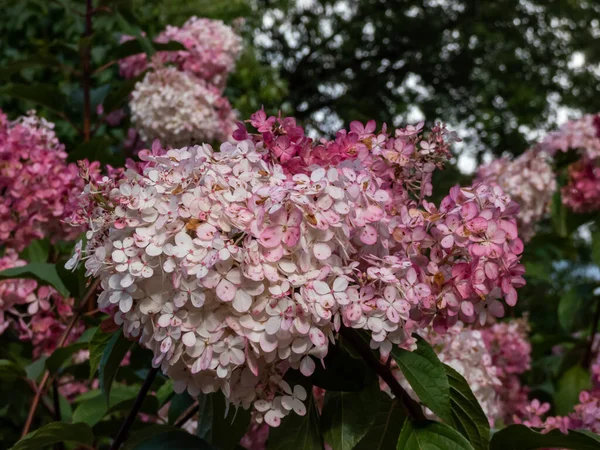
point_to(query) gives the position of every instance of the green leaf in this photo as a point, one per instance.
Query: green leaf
(28, 63)
(469, 418)
(36, 252)
(427, 376)
(36, 368)
(559, 215)
(347, 416)
(165, 392)
(596, 247)
(44, 273)
(134, 47)
(573, 381)
(145, 43)
(520, 437)
(298, 432)
(429, 435)
(173, 439)
(43, 95)
(97, 346)
(90, 411)
(570, 304)
(179, 404)
(62, 354)
(113, 354)
(119, 94)
(219, 424)
(384, 431)
(9, 371)
(54, 433)
(97, 149)
(342, 372)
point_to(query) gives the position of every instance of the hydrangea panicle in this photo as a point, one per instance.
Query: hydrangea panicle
(235, 266)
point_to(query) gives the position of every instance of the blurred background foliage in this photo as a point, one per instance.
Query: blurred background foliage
(501, 72)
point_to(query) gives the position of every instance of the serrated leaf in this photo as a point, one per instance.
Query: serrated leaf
(56, 432)
(429, 435)
(113, 354)
(298, 432)
(573, 381)
(468, 415)
(219, 424)
(347, 416)
(427, 376)
(62, 354)
(520, 437)
(568, 308)
(45, 273)
(385, 429)
(173, 439)
(36, 368)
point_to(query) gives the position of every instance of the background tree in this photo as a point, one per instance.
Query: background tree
(495, 68)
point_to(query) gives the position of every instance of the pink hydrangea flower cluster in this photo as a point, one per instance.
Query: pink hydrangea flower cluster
(529, 180)
(37, 313)
(211, 51)
(234, 266)
(585, 415)
(179, 109)
(36, 182)
(510, 350)
(582, 191)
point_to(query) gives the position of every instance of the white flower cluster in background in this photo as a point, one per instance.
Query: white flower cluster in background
(179, 109)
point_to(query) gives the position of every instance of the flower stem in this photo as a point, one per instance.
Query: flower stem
(57, 414)
(187, 415)
(135, 409)
(42, 386)
(589, 353)
(411, 407)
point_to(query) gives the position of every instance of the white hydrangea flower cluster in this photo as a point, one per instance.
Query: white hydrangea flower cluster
(530, 181)
(179, 109)
(230, 272)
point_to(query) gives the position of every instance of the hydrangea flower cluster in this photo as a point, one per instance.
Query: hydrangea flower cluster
(37, 313)
(510, 350)
(582, 191)
(179, 109)
(529, 180)
(36, 182)
(585, 415)
(211, 51)
(234, 266)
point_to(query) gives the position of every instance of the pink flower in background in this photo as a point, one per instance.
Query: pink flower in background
(211, 51)
(39, 188)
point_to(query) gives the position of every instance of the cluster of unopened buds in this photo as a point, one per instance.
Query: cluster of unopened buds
(180, 100)
(235, 266)
(37, 184)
